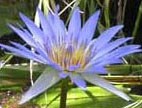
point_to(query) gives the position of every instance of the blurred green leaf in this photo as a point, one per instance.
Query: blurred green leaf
(9, 13)
(19, 74)
(136, 104)
(137, 22)
(124, 69)
(78, 98)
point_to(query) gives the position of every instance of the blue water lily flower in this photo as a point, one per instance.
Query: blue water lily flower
(70, 52)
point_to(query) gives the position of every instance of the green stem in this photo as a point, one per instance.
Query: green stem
(64, 89)
(45, 97)
(137, 23)
(106, 13)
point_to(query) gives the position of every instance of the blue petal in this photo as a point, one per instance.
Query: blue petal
(75, 24)
(97, 69)
(22, 52)
(50, 18)
(57, 8)
(59, 31)
(114, 56)
(106, 36)
(107, 55)
(78, 80)
(56, 67)
(24, 35)
(89, 48)
(45, 24)
(58, 27)
(63, 74)
(37, 33)
(125, 50)
(96, 80)
(109, 47)
(73, 67)
(88, 29)
(46, 80)
(41, 54)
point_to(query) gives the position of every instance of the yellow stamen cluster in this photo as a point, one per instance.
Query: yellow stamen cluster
(69, 56)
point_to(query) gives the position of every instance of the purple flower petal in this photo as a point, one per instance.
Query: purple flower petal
(73, 67)
(125, 50)
(24, 35)
(23, 52)
(63, 74)
(58, 28)
(96, 69)
(46, 80)
(86, 34)
(114, 56)
(38, 35)
(106, 36)
(109, 47)
(78, 80)
(45, 24)
(75, 24)
(96, 80)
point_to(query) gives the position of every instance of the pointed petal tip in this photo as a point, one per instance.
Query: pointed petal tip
(1, 46)
(98, 12)
(24, 99)
(129, 38)
(83, 88)
(12, 27)
(23, 17)
(21, 102)
(78, 80)
(119, 26)
(21, 14)
(116, 28)
(76, 9)
(128, 98)
(46, 80)
(97, 80)
(39, 11)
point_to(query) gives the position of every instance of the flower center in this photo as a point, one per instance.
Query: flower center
(69, 57)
